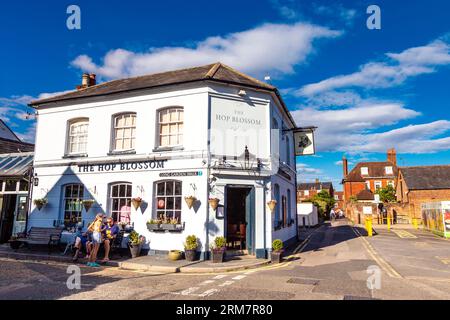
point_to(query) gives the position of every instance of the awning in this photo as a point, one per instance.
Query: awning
(15, 164)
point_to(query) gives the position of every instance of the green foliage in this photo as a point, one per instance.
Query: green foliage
(387, 194)
(324, 201)
(277, 245)
(219, 243)
(353, 199)
(191, 243)
(42, 201)
(135, 238)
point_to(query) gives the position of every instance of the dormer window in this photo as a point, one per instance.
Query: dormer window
(364, 171)
(389, 170)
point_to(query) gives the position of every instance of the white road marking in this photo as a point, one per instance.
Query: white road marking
(189, 291)
(220, 276)
(226, 283)
(239, 277)
(208, 293)
(206, 282)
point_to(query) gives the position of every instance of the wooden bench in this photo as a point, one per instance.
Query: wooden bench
(43, 236)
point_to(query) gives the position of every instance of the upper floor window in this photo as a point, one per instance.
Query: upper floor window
(170, 123)
(306, 192)
(389, 170)
(368, 185)
(124, 132)
(391, 183)
(78, 136)
(364, 171)
(378, 185)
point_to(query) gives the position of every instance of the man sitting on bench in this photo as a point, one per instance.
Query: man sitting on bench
(82, 240)
(110, 232)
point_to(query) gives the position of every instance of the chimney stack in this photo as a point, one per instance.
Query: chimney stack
(345, 166)
(392, 156)
(92, 80)
(317, 180)
(87, 80)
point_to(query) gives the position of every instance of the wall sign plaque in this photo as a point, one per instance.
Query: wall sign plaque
(122, 166)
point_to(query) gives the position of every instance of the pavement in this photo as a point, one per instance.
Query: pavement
(335, 262)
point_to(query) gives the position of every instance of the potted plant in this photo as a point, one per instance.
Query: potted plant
(272, 204)
(136, 202)
(277, 251)
(154, 224)
(135, 244)
(39, 203)
(190, 248)
(190, 200)
(218, 249)
(122, 225)
(88, 204)
(174, 255)
(214, 203)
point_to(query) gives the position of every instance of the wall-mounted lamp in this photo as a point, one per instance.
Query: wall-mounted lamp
(242, 93)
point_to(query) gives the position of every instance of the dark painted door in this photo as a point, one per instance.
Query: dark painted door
(7, 217)
(250, 220)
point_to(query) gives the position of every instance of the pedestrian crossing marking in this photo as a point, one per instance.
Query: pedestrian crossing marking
(226, 283)
(404, 234)
(444, 260)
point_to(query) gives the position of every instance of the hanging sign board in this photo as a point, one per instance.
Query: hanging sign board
(304, 142)
(367, 210)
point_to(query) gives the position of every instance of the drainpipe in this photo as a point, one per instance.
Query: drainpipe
(30, 192)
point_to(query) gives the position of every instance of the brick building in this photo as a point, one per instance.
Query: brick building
(306, 191)
(417, 185)
(339, 197)
(367, 177)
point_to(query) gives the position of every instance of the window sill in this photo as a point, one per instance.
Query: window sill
(73, 156)
(165, 149)
(119, 153)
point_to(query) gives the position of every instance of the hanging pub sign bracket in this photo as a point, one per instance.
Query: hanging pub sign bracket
(303, 140)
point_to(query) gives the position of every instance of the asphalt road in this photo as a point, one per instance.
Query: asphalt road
(333, 264)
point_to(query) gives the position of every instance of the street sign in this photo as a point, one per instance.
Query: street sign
(367, 210)
(304, 142)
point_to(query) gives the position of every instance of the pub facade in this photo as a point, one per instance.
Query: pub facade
(206, 148)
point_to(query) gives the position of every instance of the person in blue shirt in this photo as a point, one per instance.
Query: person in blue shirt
(110, 232)
(81, 241)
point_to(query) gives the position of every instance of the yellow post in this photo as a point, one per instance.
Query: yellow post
(415, 223)
(369, 226)
(388, 222)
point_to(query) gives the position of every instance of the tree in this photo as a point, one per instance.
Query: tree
(324, 201)
(387, 194)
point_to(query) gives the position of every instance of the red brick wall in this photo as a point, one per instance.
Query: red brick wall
(417, 197)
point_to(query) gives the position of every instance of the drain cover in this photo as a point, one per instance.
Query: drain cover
(312, 282)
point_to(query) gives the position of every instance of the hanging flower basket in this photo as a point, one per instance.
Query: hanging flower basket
(190, 200)
(40, 203)
(88, 204)
(272, 204)
(214, 203)
(136, 202)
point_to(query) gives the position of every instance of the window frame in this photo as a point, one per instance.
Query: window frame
(379, 184)
(364, 171)
(156, 196)
(113, 149)
(390, 171)
(80, 197)
(70, 123)
(111, 198)
(158, 133)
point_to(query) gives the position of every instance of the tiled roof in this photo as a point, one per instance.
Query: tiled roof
(427, 177)
(10, 146)
(365, 195)
(213, 72)
(375, 170)
(314, 185)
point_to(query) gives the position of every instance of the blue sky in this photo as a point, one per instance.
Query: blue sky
(367, 90)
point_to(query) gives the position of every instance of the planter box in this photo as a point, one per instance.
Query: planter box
(135, 250)
(153, 227)
(218, 256)
(171, 227)
(190, 255)
(276, 256)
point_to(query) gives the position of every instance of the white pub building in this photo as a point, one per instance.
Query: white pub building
(202, 134)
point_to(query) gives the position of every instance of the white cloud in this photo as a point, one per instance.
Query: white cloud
(337, 11)
(275, 48)
(395, 71)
